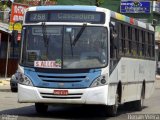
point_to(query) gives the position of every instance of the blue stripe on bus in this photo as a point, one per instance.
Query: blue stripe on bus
(60, 7)
(64, 81)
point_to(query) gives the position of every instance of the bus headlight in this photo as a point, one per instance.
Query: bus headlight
(23, 79)
(100, 81)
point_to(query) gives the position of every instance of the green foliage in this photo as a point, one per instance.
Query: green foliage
(76, 2)
(1, 6)
(81, 2)
(18, 1)
(66, 2)
(99, 2)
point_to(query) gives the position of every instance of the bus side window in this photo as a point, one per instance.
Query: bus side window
(137, 41)
(153, 44)
(143, 43)
(120, 49)
(113, 45)
(149, 45)
(146, 45)
(128, 38)
(113, 42)
(140, 43)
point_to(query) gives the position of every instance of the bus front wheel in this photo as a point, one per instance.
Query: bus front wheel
(41, 108)
(112, 110)
(139, 103)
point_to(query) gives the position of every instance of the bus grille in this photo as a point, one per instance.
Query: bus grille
(65, 78)
(69, 96)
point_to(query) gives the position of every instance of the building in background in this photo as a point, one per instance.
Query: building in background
(11, 13)
(9, 50)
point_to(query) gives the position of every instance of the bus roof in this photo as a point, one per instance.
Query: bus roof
(113, 14)
(131, 21)
(64, 7)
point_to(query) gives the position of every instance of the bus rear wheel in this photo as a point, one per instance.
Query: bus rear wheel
(41, 108)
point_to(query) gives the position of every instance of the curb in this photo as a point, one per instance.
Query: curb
(157, 78)
(5, 90)
(4, 82)
(5, 85)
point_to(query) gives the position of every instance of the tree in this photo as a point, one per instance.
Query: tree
(21, 1)
(99, 2)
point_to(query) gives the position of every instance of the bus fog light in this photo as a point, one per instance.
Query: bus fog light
(103, 81)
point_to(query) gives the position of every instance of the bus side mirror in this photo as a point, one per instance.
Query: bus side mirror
(14, 36)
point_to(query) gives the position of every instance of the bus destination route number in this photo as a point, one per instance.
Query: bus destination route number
(38, 17)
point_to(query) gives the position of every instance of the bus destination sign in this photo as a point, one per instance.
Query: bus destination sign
(81, 17)
(63, 16)
(39, 17)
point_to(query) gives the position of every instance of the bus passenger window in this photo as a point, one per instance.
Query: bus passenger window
(113, 46)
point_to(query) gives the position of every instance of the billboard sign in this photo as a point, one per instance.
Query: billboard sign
(135, 7)
(17, 14)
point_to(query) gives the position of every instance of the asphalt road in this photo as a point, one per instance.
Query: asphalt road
(11, 110)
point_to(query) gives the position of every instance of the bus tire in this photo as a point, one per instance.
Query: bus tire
(112, 110)
(138, 105)
(41, 108)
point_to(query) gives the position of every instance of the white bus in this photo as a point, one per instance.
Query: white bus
(85, 55)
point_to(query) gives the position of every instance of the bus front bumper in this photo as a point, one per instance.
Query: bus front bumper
(30, 94)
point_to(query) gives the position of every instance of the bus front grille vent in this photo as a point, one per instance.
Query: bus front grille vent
(69, 96)
(67, 78)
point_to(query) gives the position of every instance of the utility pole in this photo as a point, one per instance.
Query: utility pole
(8, 50)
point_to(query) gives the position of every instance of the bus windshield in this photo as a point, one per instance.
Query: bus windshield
(57, 45)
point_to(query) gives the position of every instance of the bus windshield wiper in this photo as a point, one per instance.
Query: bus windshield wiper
(79, 34)
(71, 44)
(45, 37)
(44, 32)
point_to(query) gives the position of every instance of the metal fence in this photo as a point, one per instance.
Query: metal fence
(4, 16)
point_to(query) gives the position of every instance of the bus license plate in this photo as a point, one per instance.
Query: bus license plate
(60, 92)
